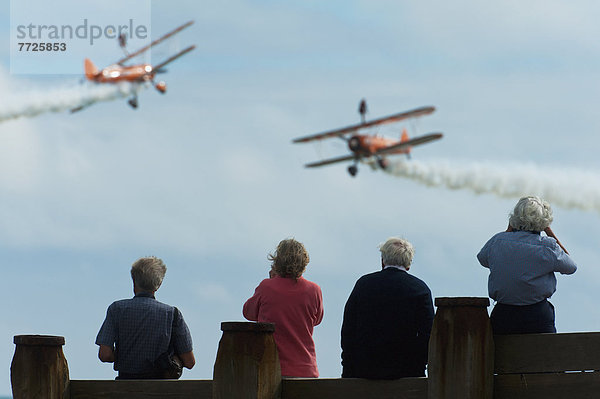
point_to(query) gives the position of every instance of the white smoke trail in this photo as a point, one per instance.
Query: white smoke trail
(565, 187)
(16, 104)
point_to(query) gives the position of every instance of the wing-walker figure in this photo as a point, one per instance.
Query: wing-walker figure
(362, 110)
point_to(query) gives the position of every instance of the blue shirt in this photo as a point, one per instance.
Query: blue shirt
(522, 266)
(140, 330)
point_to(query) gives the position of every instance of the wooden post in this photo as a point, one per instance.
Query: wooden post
(39, 368)
(247, 364)
(461, 350)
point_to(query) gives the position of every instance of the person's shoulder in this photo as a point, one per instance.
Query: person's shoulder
(370, 277)
(117, 306)
(270, 282)
(549, 242)
(309, 283)
(504, 235)
(517, 237)
(162, 305)
(120, 303)
(417, 282)
(534, 238)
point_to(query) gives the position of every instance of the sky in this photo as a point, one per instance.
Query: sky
(207, 178)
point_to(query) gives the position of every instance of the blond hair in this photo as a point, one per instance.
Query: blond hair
(290, 259)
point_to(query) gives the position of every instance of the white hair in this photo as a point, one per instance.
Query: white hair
(148, 273)
(397, 251)
(531, 214)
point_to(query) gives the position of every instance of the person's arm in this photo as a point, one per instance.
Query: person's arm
(187, 359)
(182, 341)
(424, 317)
(252, 306)
(563, 264)
(318, 318)
(483, 255)
(348, 336)
(550, 233)
(107, 336)
(106, 354)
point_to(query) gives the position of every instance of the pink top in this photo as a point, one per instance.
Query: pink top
(295, 307)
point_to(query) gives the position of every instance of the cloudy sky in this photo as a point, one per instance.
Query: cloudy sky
(206, 176)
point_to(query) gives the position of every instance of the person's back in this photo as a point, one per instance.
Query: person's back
(295, 307)
(143, 327)
(387, 323)
(138, 333)
(522, 266)
(294, 304)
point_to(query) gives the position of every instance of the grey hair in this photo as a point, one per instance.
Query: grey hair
(148, 273)
(531, 214)
(397, 251)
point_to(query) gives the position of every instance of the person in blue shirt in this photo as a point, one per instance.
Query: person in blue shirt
(137, 331)
(522, 264)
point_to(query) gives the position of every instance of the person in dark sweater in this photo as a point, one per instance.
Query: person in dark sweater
(387, 319)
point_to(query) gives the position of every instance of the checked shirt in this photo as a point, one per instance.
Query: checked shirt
(140, 330)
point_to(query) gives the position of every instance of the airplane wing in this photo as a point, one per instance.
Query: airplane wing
(157, 68)
(410, 143)
(77, 109)
(154, 43)
(386, 119)
(330, 161)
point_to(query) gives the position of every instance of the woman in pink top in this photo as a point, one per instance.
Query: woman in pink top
(294, 304)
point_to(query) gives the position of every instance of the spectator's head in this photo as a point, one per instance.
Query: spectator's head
(148, 273)
(290, 259)
(531, 214)
(397, 252)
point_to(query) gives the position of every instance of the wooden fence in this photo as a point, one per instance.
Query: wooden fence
(465, 362)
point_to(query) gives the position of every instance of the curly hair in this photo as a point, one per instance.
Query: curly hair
(531, 214)
(290, 259)
(148, 273)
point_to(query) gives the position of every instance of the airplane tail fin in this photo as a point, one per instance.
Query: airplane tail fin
(404, 135)
(403, 139)
(90, 69)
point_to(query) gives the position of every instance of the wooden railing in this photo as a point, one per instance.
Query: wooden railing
(465, 362)
(547, 366)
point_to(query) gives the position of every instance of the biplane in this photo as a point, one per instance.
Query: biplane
(372, 148)
(139, 73)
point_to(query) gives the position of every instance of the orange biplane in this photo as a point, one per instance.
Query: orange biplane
(140, 73)
(369, 147)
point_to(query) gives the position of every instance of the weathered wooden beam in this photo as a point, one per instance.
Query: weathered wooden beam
(461, 350)
(141, 389)
(537, 353)
(353, 388)
(39, 368)
(247, 364)
(547, 386)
